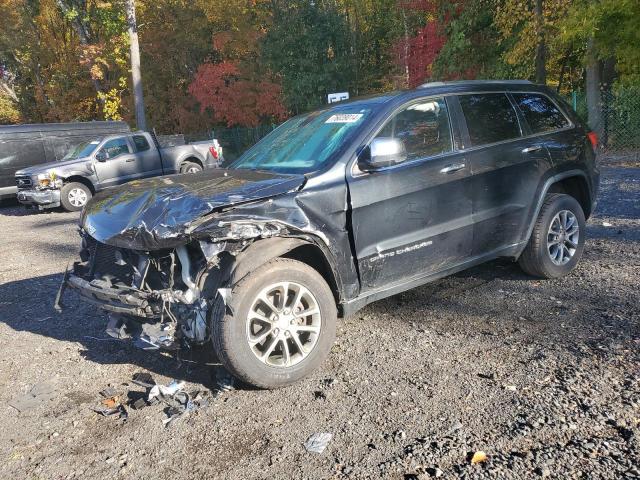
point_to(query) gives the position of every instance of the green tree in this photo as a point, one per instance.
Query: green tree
(308, 48)
(473, 47)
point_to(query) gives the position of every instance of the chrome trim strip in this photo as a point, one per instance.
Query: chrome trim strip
(355, 172)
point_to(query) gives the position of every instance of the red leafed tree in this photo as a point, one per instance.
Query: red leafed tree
(416, 53)
(235, 99)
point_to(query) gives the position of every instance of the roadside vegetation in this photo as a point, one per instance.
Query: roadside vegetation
(241, 63)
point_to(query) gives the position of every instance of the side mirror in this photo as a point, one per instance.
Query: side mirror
(101, 156)
(383, 152)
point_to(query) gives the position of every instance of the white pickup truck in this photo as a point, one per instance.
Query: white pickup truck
(107, 161)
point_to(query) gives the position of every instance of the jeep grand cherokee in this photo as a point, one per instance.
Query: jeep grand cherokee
(333, 210)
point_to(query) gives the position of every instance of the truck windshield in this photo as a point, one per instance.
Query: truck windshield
(83, 150)
(306, 143)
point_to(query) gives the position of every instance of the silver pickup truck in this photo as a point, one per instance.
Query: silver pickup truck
(107, 161)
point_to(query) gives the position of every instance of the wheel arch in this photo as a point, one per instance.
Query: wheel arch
(304, 250)
(578, 188)
(191, 158)
(80, 179)
(575, 181)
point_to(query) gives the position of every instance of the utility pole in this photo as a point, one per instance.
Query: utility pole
(136, 75)
(541, 48)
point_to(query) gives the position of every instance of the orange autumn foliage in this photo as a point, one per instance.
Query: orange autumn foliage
(235, 99)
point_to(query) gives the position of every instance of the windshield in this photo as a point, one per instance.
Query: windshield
(83, 150)
(306, 143)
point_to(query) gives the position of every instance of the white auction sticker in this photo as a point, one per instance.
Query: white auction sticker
(344, 118)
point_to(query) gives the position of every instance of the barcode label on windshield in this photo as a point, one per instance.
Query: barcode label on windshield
(344, 118)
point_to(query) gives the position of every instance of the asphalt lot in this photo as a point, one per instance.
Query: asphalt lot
(542, 376)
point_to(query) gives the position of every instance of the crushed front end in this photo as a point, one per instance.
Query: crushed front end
(154, 297)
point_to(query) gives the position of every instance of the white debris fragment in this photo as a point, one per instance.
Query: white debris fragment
(166, 390)
(317, 442)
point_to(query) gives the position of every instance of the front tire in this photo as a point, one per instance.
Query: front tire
(74, 196)
(557, 239)
(278, 325)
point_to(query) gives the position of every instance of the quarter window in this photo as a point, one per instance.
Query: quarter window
(423, 127)
(540, 113)
(140, 143)
(490, 118)
(116, 147)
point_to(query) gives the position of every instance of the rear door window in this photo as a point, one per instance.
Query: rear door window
(490, 118)
(540, 112)
(423, 128)
(141, 143)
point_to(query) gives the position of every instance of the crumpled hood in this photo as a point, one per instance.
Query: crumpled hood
(52, 166)
(156, 213)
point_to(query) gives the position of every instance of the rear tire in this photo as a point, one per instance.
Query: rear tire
(74, 196)
(283, 346)
(557, 239)
(190, 167)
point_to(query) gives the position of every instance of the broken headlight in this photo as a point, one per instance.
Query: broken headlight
(48, 180)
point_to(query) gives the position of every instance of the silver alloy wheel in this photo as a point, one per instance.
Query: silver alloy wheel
(562, 238)
(77, 197)
(283, 324)
(193, 169)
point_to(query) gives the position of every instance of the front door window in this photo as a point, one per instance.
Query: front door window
(115, 147)
(423, 128)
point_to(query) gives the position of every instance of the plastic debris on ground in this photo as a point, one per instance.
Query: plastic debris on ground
(224, 381)
(182, 404)
(111, 404)
(178, 402)
(317, 442)
(165, 390)
(38, 394)
(109, 392)
(143, 379)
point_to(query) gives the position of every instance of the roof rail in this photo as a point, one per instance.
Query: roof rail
(469, 82)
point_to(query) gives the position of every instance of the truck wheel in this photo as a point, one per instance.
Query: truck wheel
(278, 324)
(557, 239)
(190, 167)
(74, 196)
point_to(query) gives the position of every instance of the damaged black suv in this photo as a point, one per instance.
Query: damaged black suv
(336, 209)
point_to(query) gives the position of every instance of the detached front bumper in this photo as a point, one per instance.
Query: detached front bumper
(40, 198)
(117, 300)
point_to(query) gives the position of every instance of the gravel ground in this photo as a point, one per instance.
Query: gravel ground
(542, 376)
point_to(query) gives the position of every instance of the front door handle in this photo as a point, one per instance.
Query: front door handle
(454, 167)
(130, 160)
(533, 148)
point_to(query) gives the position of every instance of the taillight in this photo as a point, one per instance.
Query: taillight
(213, 152)
(593, 138)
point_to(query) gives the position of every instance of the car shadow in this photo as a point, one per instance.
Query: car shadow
(27, 306)
(10, 209)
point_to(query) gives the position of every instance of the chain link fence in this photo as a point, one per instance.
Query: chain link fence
(234, 141)
(619, 126)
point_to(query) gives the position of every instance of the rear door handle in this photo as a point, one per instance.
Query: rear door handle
(533, 148)
(454, 167)
(130, 160)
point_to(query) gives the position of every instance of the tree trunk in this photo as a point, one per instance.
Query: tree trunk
(541, 49)
(563, 69)
(136, 75)
(594, 101)
(405, 56)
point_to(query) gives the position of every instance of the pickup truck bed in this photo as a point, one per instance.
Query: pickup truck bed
(107, 161)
